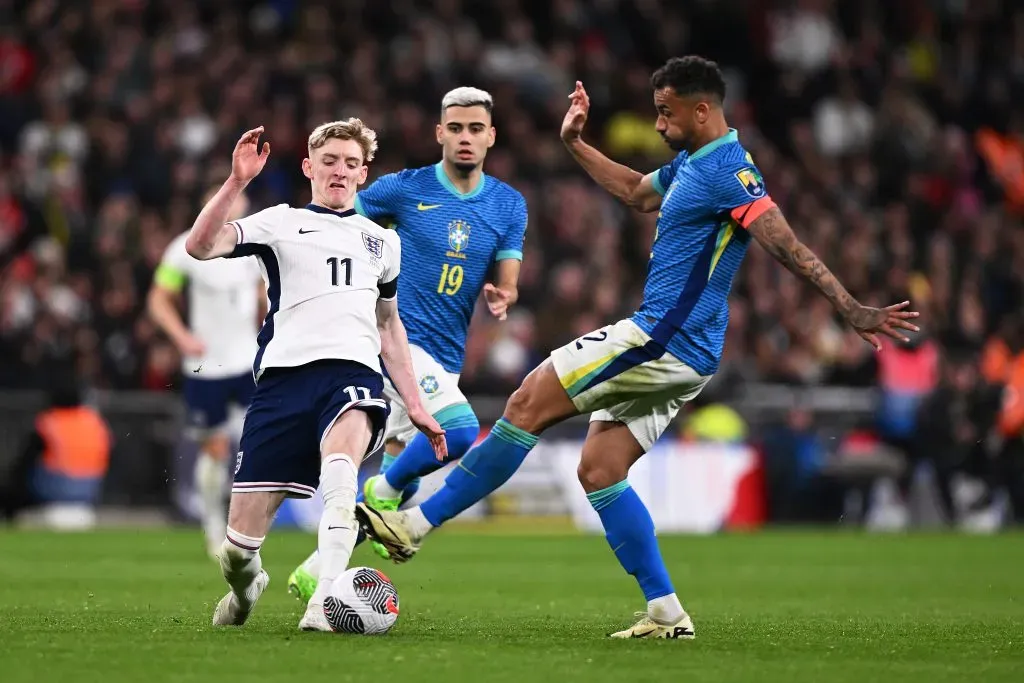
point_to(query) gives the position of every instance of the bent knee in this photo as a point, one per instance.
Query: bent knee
(520, 404)
(596, 474)
(539, 402)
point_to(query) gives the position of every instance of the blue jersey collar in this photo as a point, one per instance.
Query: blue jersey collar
(731, 136)
(316, 208)
(447, 183)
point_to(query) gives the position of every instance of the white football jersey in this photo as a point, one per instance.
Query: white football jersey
(325, 270)
(222, 309)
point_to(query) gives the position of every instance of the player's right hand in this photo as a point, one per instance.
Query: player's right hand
(576, 117)
(191, 345)
(426, 423)
(248, 160)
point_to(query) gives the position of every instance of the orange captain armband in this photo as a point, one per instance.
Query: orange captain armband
(748, 213)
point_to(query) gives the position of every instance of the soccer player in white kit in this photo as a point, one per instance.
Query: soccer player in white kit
(226, 299)
(318, 408)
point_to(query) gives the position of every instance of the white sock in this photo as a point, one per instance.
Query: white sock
(240, 561)
(338, 529)
(418, 524)
(312, 563)
(665, 610)
(210, 479)
(382, 489)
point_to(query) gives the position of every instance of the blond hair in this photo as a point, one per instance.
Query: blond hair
(349, 129)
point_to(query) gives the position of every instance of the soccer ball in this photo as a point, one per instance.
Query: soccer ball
(362, 600)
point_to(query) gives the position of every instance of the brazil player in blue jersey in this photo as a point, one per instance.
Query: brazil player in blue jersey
(459, 227)
(634, 375)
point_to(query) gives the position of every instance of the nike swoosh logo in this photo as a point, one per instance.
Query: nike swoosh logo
(330, 528)
(427, 207)
(306, 232)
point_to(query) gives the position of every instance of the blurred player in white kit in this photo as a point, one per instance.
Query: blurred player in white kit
(226, 301)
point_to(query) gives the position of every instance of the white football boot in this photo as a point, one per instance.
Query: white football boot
(314, 619)
(232, 611)
(649, 628)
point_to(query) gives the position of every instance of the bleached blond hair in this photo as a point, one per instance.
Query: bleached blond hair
(467, 96)
(349, 129)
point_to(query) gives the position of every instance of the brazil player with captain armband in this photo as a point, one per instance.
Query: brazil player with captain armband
(318, 408)
(457, 225)
(634, 375)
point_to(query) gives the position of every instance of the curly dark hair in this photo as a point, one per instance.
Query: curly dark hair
(690, 75)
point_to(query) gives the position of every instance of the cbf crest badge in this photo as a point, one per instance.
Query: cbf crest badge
(429, 384)
(458, 238)
(374, 245)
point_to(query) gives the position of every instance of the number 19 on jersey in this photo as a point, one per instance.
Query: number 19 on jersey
(451, 279)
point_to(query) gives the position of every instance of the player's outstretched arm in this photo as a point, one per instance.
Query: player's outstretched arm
(773, 232)
(211, 236)
(631, 187)
(394, 351)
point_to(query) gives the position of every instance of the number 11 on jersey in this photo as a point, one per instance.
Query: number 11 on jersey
(451, 279)
(336, 266)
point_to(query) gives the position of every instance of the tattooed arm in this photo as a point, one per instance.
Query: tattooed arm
(772, 232)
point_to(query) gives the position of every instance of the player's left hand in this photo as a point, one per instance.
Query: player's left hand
(870, 322)
(497, 301)
(426, 423)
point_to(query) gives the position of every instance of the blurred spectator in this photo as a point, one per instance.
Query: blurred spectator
(793, 458)
(886, 132)
(908, 374)
(952, 424)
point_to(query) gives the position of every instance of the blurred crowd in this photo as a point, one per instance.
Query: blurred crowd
(885, 130)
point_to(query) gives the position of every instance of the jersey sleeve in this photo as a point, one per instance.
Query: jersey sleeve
(172, 273)
(262, 227)
(739, 190)
(382, 198)
(664, 176)
(387, 285)
(510, 246)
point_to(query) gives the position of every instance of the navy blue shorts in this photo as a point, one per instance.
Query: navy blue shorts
(291, 412)
(207, 400)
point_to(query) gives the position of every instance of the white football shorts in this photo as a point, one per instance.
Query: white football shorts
(439, 389)
(617, 375)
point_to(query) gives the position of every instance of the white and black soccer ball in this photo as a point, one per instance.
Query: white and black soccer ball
(362, 600)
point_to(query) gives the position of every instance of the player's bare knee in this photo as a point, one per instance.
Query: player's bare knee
(519, 407)
(539, 402)
(596, 473)
(394, 447)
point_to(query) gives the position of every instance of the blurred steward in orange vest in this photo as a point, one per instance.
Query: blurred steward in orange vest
(1002, 365)
(66, 457)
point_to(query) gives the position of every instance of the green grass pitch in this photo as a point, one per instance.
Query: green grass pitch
(507, 606)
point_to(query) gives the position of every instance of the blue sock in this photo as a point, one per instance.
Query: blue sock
(483, 470)
(630, 532)
(418, 459)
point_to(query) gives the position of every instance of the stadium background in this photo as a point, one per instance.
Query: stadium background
(886, 131)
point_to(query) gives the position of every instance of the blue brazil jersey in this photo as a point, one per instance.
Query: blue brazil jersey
(709, 198)
(449, 242)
